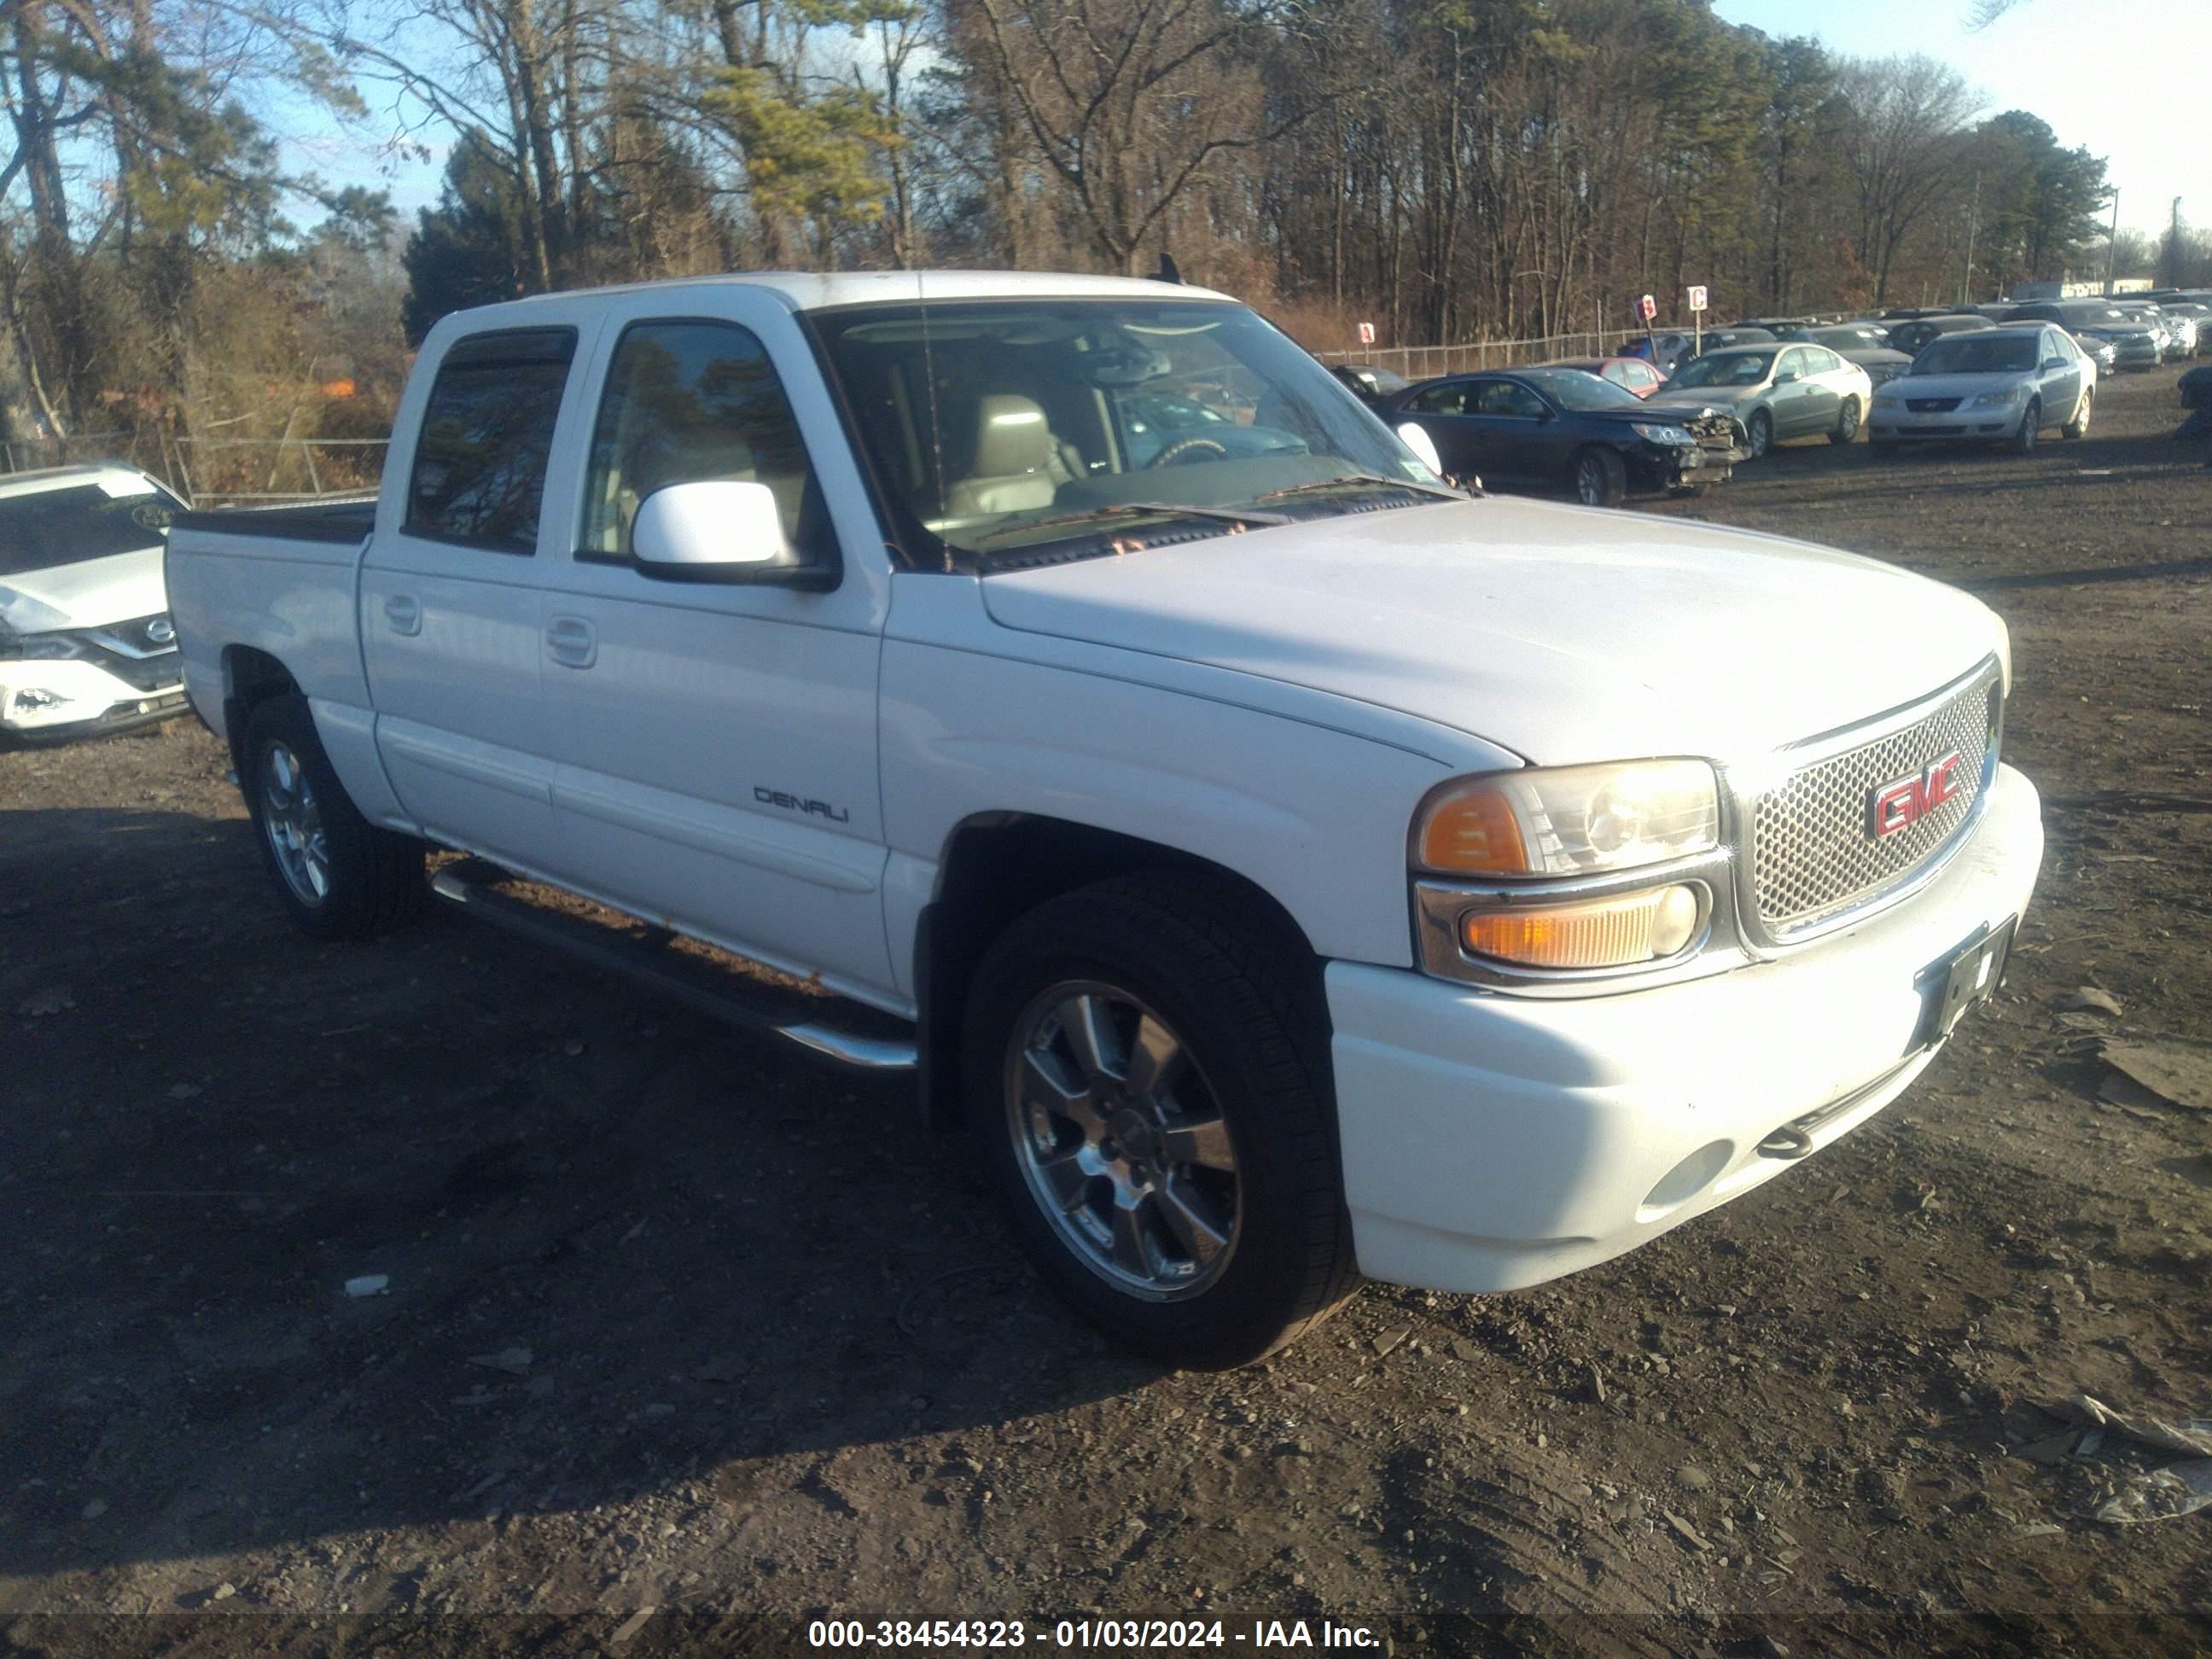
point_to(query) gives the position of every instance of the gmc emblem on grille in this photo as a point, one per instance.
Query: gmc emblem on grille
(1896, 806)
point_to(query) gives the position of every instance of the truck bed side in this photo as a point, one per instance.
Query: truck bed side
(275, 589)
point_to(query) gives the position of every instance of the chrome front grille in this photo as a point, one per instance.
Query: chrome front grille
(1813, 856)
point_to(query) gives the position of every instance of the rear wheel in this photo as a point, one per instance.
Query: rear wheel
(1847, 422)
(2079, 426)
(339, 876)
(1149, 1084)
(1761, 433)
(2031, 428)
(1600, 477)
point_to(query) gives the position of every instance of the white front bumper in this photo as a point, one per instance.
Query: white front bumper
(1492, 1142)
(69, 692)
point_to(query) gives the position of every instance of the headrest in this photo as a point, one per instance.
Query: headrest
(1011, 437)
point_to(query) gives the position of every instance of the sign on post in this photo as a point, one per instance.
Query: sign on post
(1367, 334)
(1647, 307)
(1696, 299)
(1697, 319)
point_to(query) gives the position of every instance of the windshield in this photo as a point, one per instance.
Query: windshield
(1732, 368)
(1000, 424)
(1970, 353)
(1571, 388)
(84, 521)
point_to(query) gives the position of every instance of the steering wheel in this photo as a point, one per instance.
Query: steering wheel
(1183, 446)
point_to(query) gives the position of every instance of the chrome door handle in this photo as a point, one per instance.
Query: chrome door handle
(572, 642)
(405, 612)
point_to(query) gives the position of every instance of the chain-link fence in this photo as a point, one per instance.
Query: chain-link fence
(1420, 362)
(235, 471)
(217, 471)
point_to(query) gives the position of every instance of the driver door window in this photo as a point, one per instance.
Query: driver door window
(687, 401)
(1507, 399)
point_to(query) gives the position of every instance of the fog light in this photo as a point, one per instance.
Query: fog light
(1615, 933)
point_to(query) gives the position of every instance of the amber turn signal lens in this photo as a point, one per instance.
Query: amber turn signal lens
(1616, 933)
(1473, 829)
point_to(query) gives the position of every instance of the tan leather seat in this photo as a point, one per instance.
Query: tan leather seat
(1016, 465)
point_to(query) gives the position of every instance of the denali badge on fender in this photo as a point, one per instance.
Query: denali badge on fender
(1895, 806)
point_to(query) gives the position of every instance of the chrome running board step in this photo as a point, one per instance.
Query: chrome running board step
(471, 886)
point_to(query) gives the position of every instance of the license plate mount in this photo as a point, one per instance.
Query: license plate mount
(1969, 973)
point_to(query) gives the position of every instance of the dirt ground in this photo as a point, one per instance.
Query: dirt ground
(676, 1322)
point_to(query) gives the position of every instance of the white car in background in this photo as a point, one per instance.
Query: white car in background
(2003, 386)
(85, 642)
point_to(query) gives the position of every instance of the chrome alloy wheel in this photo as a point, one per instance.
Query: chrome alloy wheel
(1589, 481)
(1120, 1141)
(292, 820)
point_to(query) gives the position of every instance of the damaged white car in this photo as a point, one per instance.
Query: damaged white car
(85, 642)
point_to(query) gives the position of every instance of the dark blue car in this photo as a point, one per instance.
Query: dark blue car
(1560, 428)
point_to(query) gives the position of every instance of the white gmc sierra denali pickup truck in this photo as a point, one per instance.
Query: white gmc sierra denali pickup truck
(1289, 866)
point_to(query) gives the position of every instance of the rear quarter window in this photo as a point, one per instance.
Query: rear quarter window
(479, 471)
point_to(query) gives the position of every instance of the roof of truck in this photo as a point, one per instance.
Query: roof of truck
(818, 290)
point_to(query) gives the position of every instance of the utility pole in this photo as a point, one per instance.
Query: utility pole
(2173, 272)
(2112, 247)
(1974, 223)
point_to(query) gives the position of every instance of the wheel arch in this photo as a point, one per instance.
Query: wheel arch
(998, 866)
(251, 677)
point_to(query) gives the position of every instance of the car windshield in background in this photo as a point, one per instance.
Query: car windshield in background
(1571, 388)
(1973, 354)
(1735, 368)
(68, 527)
(1007, 424)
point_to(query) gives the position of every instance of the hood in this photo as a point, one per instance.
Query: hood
(1726, 396)
(1564, 634)
(1959, 385)
(1872, 356)
(113, 589)
(1660, 409)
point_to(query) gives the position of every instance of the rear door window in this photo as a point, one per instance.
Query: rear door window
(479, 474)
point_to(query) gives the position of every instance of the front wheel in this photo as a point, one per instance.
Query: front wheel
(2031, 428)
(2079, 426)
(1847, 422)
(1600, 477)
(339, 876)
(1150, 1082)
(1761, 433)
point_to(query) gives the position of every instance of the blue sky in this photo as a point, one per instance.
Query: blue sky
(2125, 78)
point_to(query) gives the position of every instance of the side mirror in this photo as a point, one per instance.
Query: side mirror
(1416, 438)
(2054, 362)
(1786, 377)
(714, 530)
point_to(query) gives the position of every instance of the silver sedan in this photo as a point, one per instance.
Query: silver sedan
(1780, 392)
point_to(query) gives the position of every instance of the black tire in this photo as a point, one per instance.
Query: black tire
(1847, 422)
(1759, 435)
(1249, 1032)
(1599, 477)
(2079, 426)
(2031, 428)
(370, 879)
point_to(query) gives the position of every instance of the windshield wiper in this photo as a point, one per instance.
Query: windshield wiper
(1138, 509)
(1371, 478)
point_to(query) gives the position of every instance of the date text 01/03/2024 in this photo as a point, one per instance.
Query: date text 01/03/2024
(1090, 1633)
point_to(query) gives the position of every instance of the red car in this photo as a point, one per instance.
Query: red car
(1631, 373)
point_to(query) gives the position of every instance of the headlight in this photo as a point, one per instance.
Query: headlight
(1569, 820)
(36, 647)
(1997, 399)
(1662, 435)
